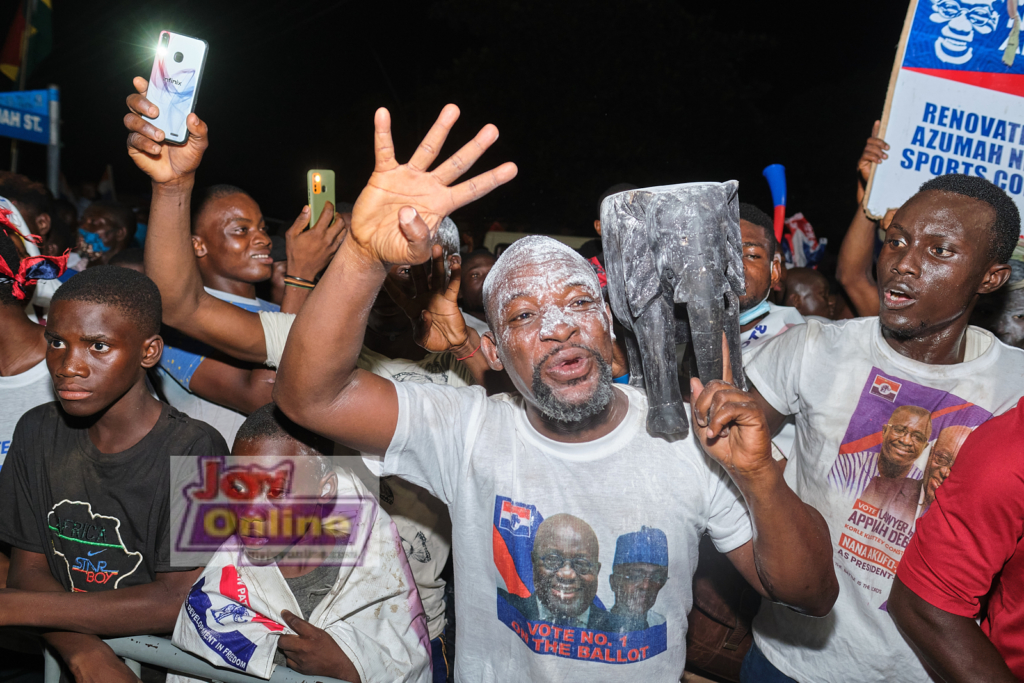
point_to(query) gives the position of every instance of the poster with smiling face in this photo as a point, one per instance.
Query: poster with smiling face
(550, 569)
(954, 103)
(901, 441)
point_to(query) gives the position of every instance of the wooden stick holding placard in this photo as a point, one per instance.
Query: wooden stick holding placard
(896, 65)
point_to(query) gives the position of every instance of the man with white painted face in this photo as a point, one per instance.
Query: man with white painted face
(557, 473)
(869, 394)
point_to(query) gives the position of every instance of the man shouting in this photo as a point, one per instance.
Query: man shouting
(571, 447)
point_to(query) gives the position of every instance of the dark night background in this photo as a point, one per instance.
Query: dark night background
(586, 94)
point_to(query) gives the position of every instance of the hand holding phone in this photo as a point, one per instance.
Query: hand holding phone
(174, 83)
(148, 147)
(320, 190)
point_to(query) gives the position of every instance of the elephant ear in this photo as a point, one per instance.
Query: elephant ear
(733, 238)
(626, 214)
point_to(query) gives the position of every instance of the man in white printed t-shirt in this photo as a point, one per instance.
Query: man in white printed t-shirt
(760, 319)
(871, 396)
(541, 485)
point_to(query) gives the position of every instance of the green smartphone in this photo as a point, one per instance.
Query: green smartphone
(320, 190)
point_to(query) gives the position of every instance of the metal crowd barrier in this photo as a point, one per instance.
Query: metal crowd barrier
(137, 650)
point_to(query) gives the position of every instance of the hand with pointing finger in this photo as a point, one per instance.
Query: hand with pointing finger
(730, 424)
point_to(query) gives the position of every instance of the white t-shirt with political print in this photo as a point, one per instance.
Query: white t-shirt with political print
(778, 320)
(19, 394)
(501, 479)
(422, 520)
(844, 382)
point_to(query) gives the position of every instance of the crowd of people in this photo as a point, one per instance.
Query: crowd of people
(407, 437)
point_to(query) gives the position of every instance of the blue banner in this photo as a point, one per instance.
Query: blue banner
(961, 35)
(25, 115)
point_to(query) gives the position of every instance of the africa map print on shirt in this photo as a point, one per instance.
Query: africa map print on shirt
(551, 571)
(91, 547)
(902, 439)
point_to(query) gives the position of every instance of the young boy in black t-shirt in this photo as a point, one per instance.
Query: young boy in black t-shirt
(84, 491)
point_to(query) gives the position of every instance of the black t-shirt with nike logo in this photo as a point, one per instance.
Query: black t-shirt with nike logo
(102, 520)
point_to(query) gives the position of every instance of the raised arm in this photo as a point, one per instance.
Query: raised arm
(855, 270)
(310, 250)
(393, 221)
(789, 559)
(170, 261)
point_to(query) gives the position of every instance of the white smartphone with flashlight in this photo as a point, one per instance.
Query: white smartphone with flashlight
(174, 83)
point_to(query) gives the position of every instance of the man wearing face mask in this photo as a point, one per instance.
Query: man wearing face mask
(105, 229)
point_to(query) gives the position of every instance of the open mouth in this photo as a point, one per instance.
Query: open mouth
(569, 364)
(896, 299)
(262, 258)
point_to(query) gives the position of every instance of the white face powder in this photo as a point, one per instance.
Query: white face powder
(542, 268)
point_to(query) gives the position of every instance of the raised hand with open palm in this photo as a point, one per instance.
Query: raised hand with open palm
(376, 228)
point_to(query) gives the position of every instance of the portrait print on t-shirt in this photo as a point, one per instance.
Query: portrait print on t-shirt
(91, 547)
(901, 441)
(551, 573)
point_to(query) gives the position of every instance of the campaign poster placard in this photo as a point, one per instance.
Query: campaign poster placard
(954, 105)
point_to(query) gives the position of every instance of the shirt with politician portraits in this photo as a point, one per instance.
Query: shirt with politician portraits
(574, 562)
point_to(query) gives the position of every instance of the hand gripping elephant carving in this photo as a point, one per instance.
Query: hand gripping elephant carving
(674, 259)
